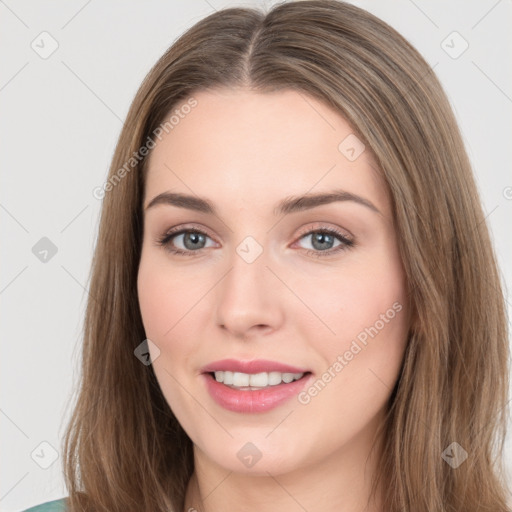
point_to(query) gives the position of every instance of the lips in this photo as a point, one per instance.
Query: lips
(253, 400)
(256, 366)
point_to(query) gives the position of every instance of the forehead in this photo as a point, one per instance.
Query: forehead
(236, 143)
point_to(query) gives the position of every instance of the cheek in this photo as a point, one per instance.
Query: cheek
(173, 312)
(366, 299)
(154, 301)
(162, 305)
(165, 295)
(164, 302)
(354, 299)
(366, 321)
(367, 310)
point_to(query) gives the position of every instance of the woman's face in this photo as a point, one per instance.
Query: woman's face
(313, 287)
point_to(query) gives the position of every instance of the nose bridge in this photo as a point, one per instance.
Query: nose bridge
(247, 295)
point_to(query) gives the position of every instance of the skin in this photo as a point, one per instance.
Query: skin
(244, 152)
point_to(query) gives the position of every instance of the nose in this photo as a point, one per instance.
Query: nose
(250, 299)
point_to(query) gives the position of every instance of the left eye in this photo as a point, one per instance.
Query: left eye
(322, 240)
(193, 240)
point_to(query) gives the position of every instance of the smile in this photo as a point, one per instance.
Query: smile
(254, 399)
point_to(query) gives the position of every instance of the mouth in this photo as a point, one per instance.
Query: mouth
(254, 392)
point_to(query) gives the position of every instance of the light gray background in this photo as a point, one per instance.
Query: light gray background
(61, 117)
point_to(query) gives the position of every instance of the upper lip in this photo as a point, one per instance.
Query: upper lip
(255, 366)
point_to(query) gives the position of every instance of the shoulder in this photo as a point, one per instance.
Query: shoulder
(49, 506)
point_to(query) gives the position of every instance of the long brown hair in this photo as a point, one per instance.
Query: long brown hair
(124, 449)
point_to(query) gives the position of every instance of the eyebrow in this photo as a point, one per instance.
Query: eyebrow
(288, 205)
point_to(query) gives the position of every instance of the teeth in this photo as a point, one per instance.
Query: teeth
(274, 378)
(260, 380)
(240, 379)
(256, 380)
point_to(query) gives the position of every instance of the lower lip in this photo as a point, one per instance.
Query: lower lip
(253, 401)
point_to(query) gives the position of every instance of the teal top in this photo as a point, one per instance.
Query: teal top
(49, 506)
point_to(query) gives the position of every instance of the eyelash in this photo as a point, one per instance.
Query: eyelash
(346, 243)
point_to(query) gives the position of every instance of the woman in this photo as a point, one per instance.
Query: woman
(295, 304)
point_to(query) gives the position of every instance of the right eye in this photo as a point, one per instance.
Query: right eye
(193, 241)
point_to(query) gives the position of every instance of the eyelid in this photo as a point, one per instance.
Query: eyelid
(325, 226)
